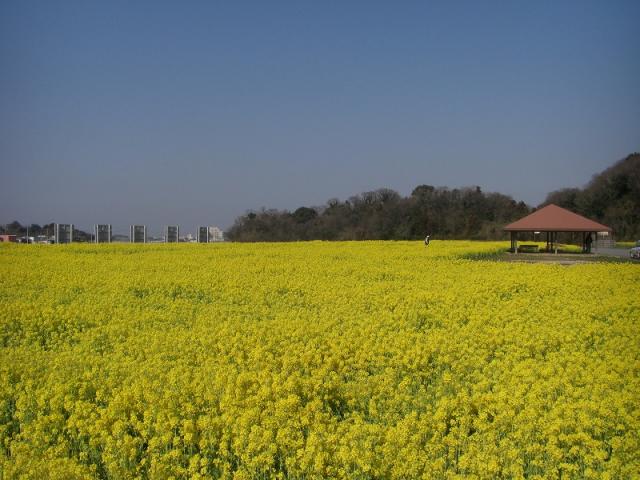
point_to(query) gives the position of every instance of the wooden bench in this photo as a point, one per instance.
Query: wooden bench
(528, 248)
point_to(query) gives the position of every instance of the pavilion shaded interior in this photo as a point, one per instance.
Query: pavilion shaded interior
(551, 220)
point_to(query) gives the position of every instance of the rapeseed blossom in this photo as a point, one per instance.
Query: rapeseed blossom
(315, 360)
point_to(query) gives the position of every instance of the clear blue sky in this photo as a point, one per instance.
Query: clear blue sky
(193, 112)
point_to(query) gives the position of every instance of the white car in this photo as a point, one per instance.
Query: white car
(635, 251)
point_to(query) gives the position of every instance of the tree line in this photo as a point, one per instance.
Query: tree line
(386, 215)
(612, 197)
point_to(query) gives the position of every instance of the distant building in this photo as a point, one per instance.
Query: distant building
(8, 238)
(216, 235)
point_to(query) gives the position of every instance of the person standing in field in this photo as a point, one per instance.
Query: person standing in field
(426, 241)
(587, 243)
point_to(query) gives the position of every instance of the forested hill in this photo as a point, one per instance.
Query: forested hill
(612, 197)
(386, 215)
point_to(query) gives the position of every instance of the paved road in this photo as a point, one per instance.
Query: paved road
(612, 252)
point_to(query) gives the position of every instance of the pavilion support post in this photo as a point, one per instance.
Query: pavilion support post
(514, 242)
(548, 243)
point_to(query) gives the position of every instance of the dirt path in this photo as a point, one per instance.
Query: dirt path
(614, 252)
(565, 259)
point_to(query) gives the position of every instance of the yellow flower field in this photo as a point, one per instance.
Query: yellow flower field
(315, 360)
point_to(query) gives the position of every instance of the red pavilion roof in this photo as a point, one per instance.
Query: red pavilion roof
(553, 218)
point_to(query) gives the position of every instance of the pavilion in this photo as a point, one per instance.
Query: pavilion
(552, 219)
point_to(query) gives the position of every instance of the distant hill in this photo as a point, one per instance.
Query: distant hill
(611, 197)
(385, 215)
